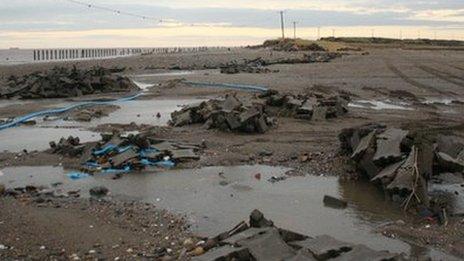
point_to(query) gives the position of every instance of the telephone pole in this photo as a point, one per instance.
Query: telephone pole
(294, 30)
(282, 24)
(318, 33)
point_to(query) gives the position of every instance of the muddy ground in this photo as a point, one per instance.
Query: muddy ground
(420, 86)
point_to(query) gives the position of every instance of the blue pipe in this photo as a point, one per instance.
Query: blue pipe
(21, 119)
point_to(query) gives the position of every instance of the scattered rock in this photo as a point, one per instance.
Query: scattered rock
(99, 191)
(333, 202)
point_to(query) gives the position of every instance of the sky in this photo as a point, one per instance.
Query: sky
(65, 23)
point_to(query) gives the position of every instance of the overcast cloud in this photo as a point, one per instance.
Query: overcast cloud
(21, 17)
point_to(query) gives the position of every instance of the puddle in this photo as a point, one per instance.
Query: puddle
(169, 73)
(378, 105)
(217, 202)
(138, 111)
(33, 138)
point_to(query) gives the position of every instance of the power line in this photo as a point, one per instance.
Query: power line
(117, 11)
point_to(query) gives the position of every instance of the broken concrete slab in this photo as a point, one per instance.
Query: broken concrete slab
(448, 163)
(268, 246)
(449, 178)
(455, 195)
(320, 113)
(249, 233)
(257, 220)
(389, 146)
(404, 179)
(184, 155)
(226, 252)
(323, 247)
(388, 174)
(363, 145)
(302, 255)
(450, 145)
(366, 164)
(360, 252)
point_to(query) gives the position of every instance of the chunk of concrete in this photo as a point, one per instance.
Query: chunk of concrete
(181, 118)
(258, 220)
(249, 233)
(334, 202)
(184, 155)
(450, 145)
(320, 113)
(389, 146)
(226, 252)
(448, 163)
(123, 158)
(323, 247)
(455, 194)
(302, 255)
(268, 246)
(230, 103)
(388, 174)
(363, 145)
(367, 165)
(404, 179)
(449, 178)
(360, 252)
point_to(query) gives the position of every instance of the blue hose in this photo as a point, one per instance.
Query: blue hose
(242, 87)
(21, 119)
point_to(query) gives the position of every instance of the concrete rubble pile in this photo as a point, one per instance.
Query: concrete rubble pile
(259, 65)
(261, 240)
(117, 153)
(230, 114)
(61, 82)
(315, 106)
(291, 45)
(416, 170)
(248, 66)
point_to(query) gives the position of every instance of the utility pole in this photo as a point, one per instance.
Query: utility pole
(318, 33)
(282, 24)
(333, 33)
(294, 30)
(373, 33)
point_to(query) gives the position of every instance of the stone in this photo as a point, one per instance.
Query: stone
(323, 247)
(389, 146)
(99, 191)
(334, 202)
(2, 189)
